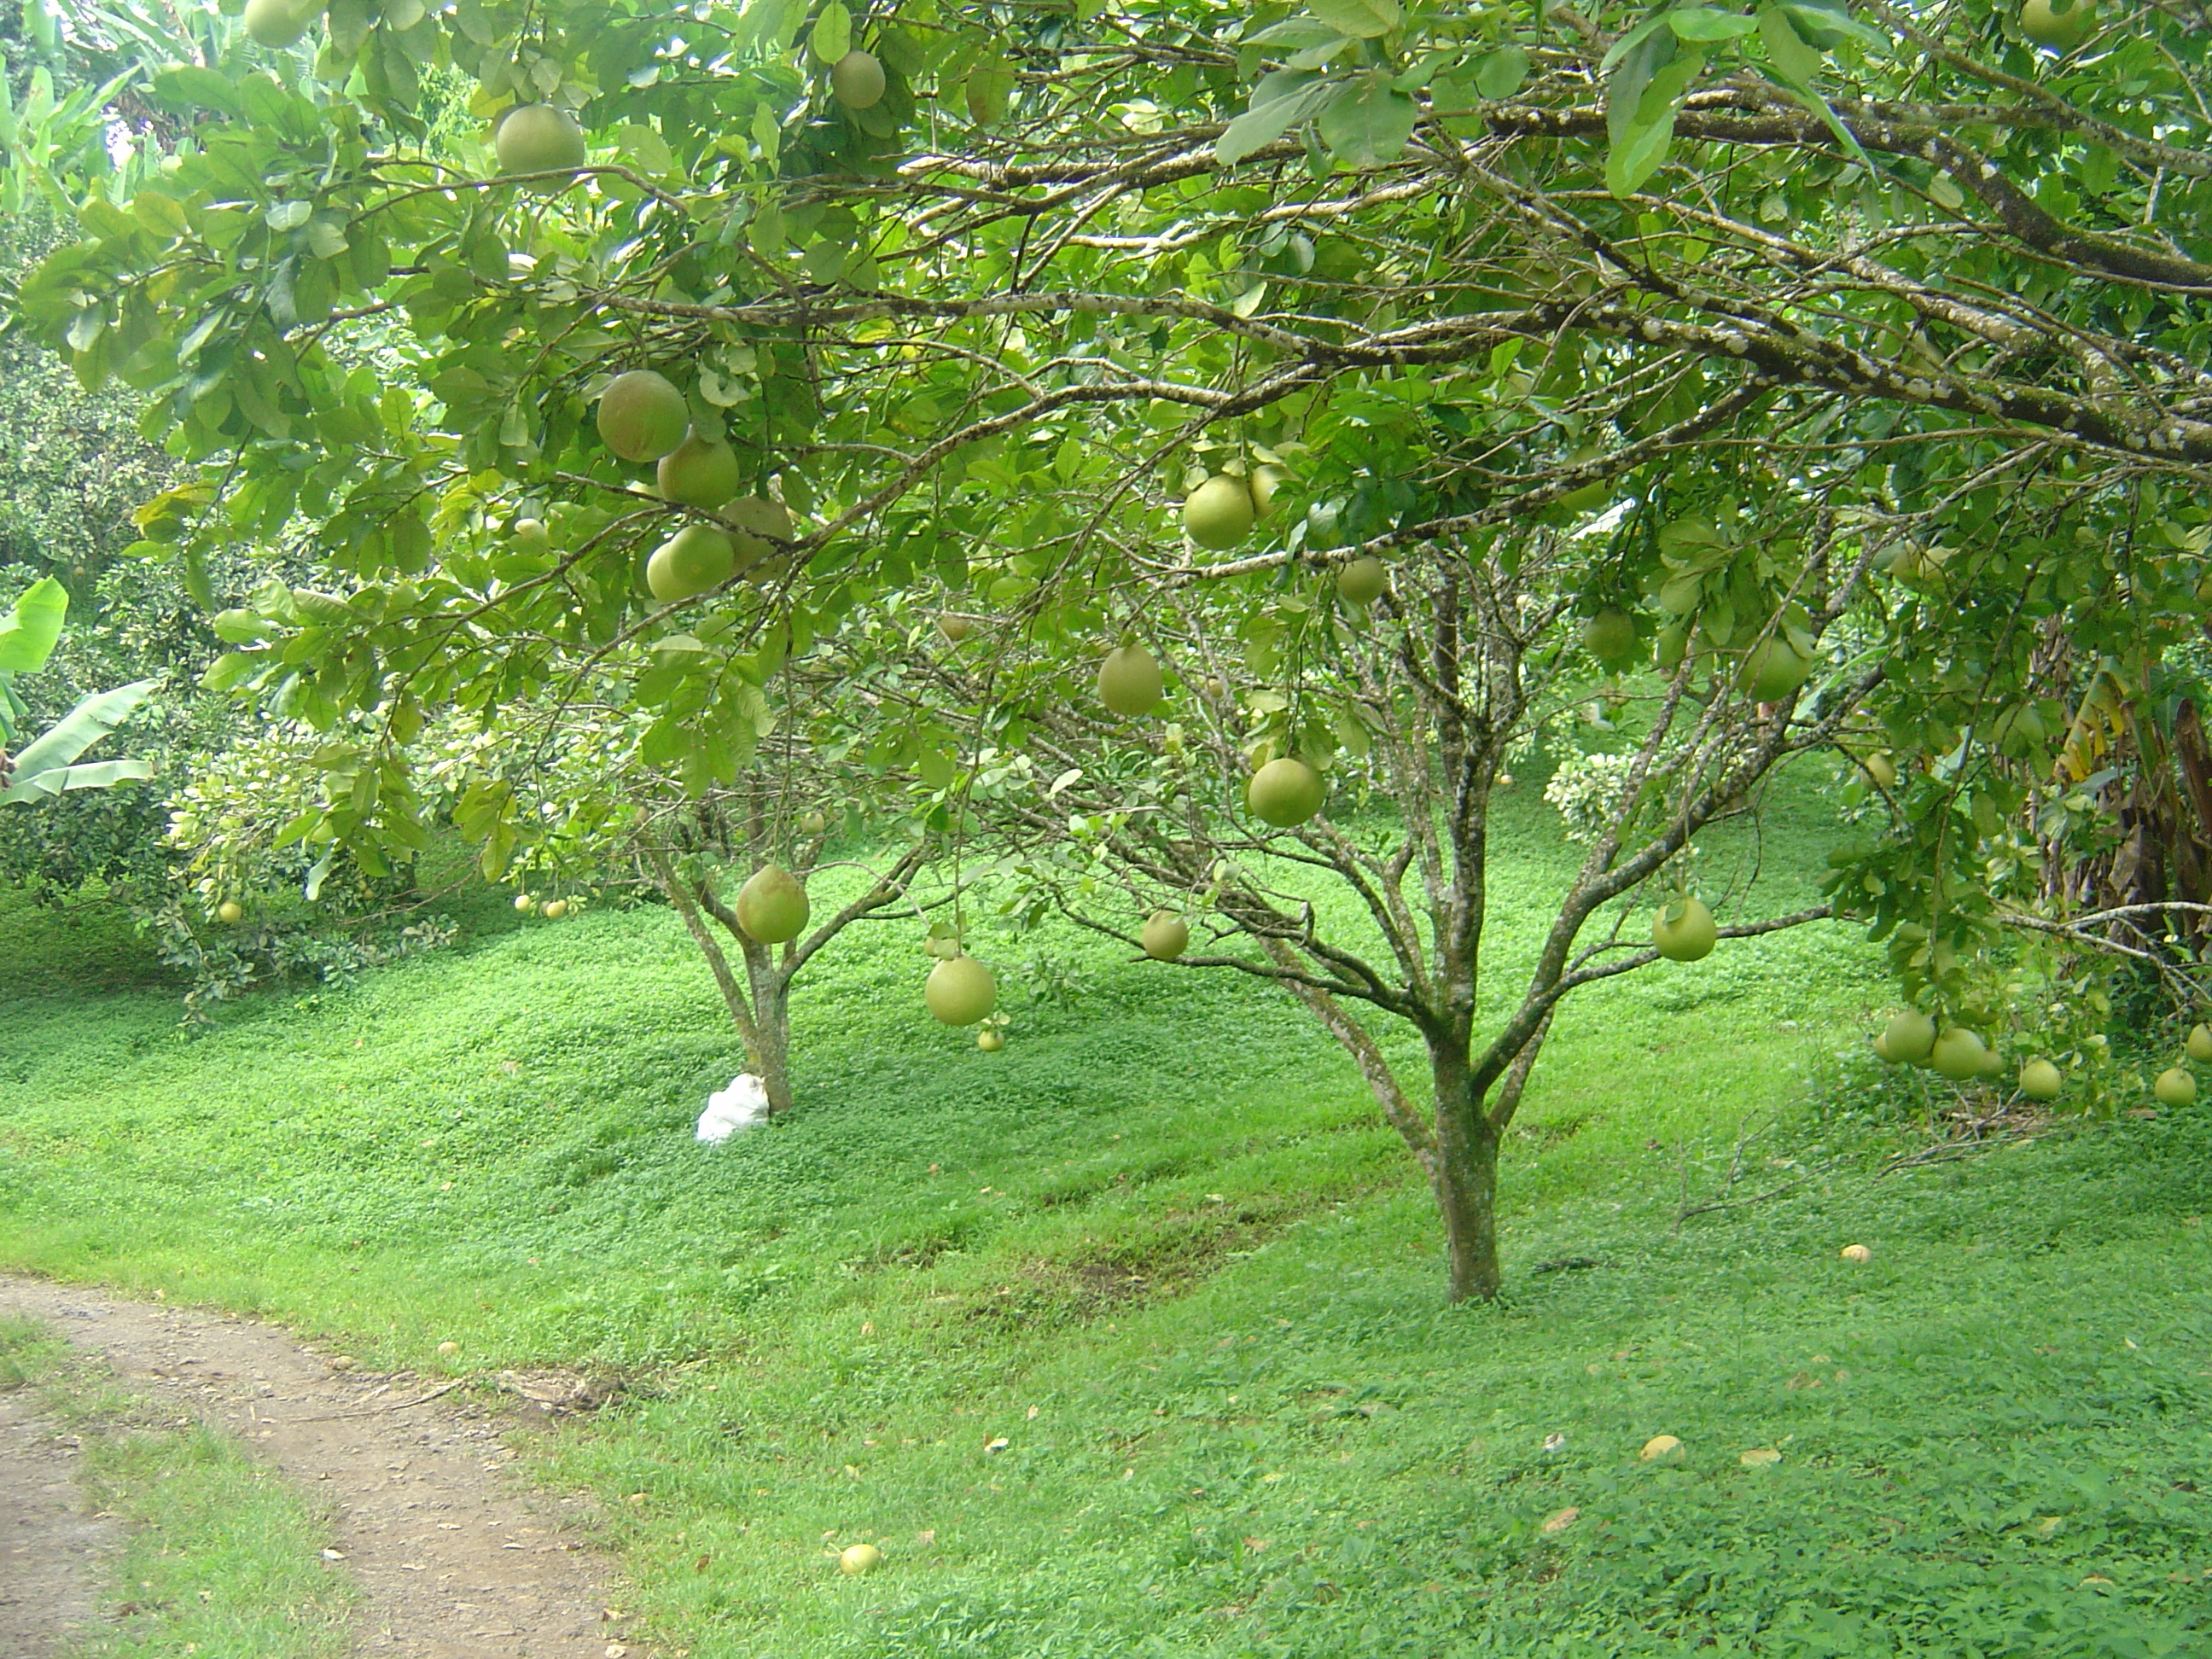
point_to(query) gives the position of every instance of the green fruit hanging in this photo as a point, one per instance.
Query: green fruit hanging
(856, 80)
(1265, 481)
(1910, 1035)
(1610, 636)
(1958, 1055)
(642, 417)
(960, 991)
(2174, 1087)
(278, 23)
(2040, 1080)
(1129, 681)
(989, 1042)
(2044, 22)
(1362, 581)
(696, 560)
(772, 905)
(1286, 792)
(1774, 670)
(2200, 1043)
(700, 472)
(1166, 936)
(539, 138)
(230, 913)
(1218, 514)
(1683, 931)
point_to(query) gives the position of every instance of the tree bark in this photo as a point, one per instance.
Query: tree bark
(771, 1025)
(1464, 1176)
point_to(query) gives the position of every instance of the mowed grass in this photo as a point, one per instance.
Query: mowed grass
(220, 1558)
(1131, 1341)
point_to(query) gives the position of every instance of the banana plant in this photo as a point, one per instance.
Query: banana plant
(48, 765)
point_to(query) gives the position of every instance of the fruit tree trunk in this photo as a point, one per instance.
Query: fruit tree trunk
(1465, 1178)
(771, 1042)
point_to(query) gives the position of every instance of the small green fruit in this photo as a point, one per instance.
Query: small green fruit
(2045, 23)
(539, 138)
(1219, 512)
(1662, 1448)
(1265, 481)
(699, 473)
(696, 560)
(230, 913)
(1773, 671)
(1166, 936)
(278, 23)
(1911, 1036)
(531, 536)
(2040, 1080)
(813, 823)
(960, 991)
(1610, 636)
(1129, 681)
(2174, 1087)
(1362, 581)
(772, 905)
(1683, 931)
(524, 903)
(1286, 792)
(642, 417)
(989, 1042)
(859, 1558)
(1958, 1055)
(954, 628)
(1879, 770)
(2200, 1043)
(856, 80)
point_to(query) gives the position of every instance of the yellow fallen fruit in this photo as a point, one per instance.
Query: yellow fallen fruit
(1760, 1457)
(1661, 1448)
(859, 1558)
(1562, 1521)
(1857, 1253)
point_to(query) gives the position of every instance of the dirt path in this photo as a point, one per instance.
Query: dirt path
(48, 1544)
(454, 1561)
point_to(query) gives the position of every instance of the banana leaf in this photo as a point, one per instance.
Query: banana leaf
(28, 632)
(46, 768)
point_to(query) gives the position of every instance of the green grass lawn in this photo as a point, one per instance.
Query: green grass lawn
(1130, 1340)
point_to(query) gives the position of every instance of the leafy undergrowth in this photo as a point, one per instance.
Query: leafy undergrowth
(1129, 1339)
(220, 1557)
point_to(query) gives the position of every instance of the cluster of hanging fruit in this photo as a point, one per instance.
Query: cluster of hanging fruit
(1911, 1038)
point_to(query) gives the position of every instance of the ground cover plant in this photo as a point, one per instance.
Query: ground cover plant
(1176, 1232)
(219, 1556)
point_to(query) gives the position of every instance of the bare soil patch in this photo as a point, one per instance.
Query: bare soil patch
(49, 1546)
(454, 1557)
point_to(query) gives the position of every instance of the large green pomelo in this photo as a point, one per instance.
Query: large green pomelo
(2040, 1080)
(1912, 1037)
(1166, 936)
(1683, 931)
(757, 518)
(2199, 1044)
(772, 905)
(1286, 792)
(856, 80)
(1610, 636)
(2174, 1087)
(1958, 1055)
(643, 416)
(1265, 481)
(700, 472)
(1774, 670)
(960, 991)
(539, 138)
(2041, 21)
(1219, 512)
(1129, 681)
(279, 23)
(1362, 581)
(695, 560)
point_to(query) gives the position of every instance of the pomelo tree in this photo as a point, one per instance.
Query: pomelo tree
(1843, 362)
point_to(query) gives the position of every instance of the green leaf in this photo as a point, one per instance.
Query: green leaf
(1701, 23)
(1368, 122)
(30, 631)
(833, 32)
(1362, 19)
(1259, 127)
(1786, 49)
(1501, 73)
(44, 770)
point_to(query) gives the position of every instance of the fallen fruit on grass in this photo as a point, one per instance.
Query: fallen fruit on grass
(2174, 1087)
(1561, 1521)
(1362, 581)
(960, 991)
(1661, 1448)
(772, 905)
(448, 1349)
(1166, 936)
(989, 1042)
(1129, 681)
(2200, 1043)
(858, 1558)
(230, 912)
(1286, 791)
(1683, 931)
(1958, 1055)
(1856, 1253)
(1911, 1036)
(2040, 1080)
(1760, 1457)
